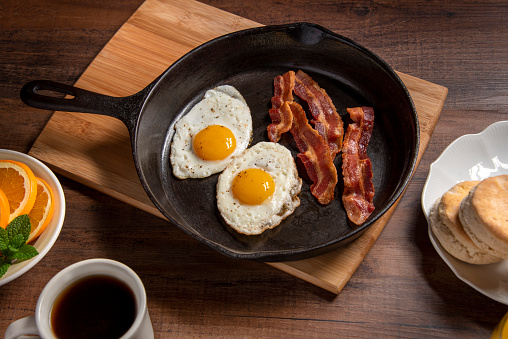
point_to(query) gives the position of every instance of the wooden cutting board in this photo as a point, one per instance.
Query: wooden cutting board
(95, 150)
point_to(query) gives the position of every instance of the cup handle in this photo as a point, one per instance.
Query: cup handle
(23, 326)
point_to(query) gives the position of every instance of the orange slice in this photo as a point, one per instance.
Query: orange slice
(42, 211)
(4, 210)
(18, 183)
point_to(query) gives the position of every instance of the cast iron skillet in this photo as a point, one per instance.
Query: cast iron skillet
(249, 60)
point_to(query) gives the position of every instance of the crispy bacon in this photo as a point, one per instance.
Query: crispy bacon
(314, 154)
(326, 120)
(357, 167)
(281, 115)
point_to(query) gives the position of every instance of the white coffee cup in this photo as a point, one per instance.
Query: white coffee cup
(40, 323)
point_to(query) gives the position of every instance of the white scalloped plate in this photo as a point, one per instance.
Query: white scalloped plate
(471, 157)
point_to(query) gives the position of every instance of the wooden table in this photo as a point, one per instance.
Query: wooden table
(401, 289)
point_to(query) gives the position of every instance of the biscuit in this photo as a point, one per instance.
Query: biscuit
(484, 215)
(447, 228)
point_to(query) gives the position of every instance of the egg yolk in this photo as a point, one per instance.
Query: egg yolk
(253, 186)
(215, 142)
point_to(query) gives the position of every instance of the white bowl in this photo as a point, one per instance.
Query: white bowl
(471, 157)
(46, 240)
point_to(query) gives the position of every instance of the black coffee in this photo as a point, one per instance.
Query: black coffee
(94, 307)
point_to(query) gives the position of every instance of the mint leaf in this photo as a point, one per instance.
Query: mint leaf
(4, 239)
(7, 253)
(4, 266)
(25, 252)
(20, 225)
(5, 260)
(16, 242)
(13, 243)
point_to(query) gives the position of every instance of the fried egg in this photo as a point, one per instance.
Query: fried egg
(216, 129)
(259, 188)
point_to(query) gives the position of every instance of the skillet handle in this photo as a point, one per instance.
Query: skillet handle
(80, 100)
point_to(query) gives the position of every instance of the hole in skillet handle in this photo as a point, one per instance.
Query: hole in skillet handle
(45, 94)
(51, 91)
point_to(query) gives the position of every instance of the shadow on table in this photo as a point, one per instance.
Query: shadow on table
(457, 297)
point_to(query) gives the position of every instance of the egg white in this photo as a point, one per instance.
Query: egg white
(224, 106)
(276, 160)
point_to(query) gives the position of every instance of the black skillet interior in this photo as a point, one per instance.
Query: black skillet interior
(249, 61)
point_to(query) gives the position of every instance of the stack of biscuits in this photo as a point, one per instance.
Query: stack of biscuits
(470, 220)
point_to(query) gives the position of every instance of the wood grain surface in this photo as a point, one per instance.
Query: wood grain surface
(402, 288)
(95, 150)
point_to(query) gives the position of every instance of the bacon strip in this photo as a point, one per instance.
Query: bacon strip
(326, 119)
(280, 114)
(314, 154)
(356, 165)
